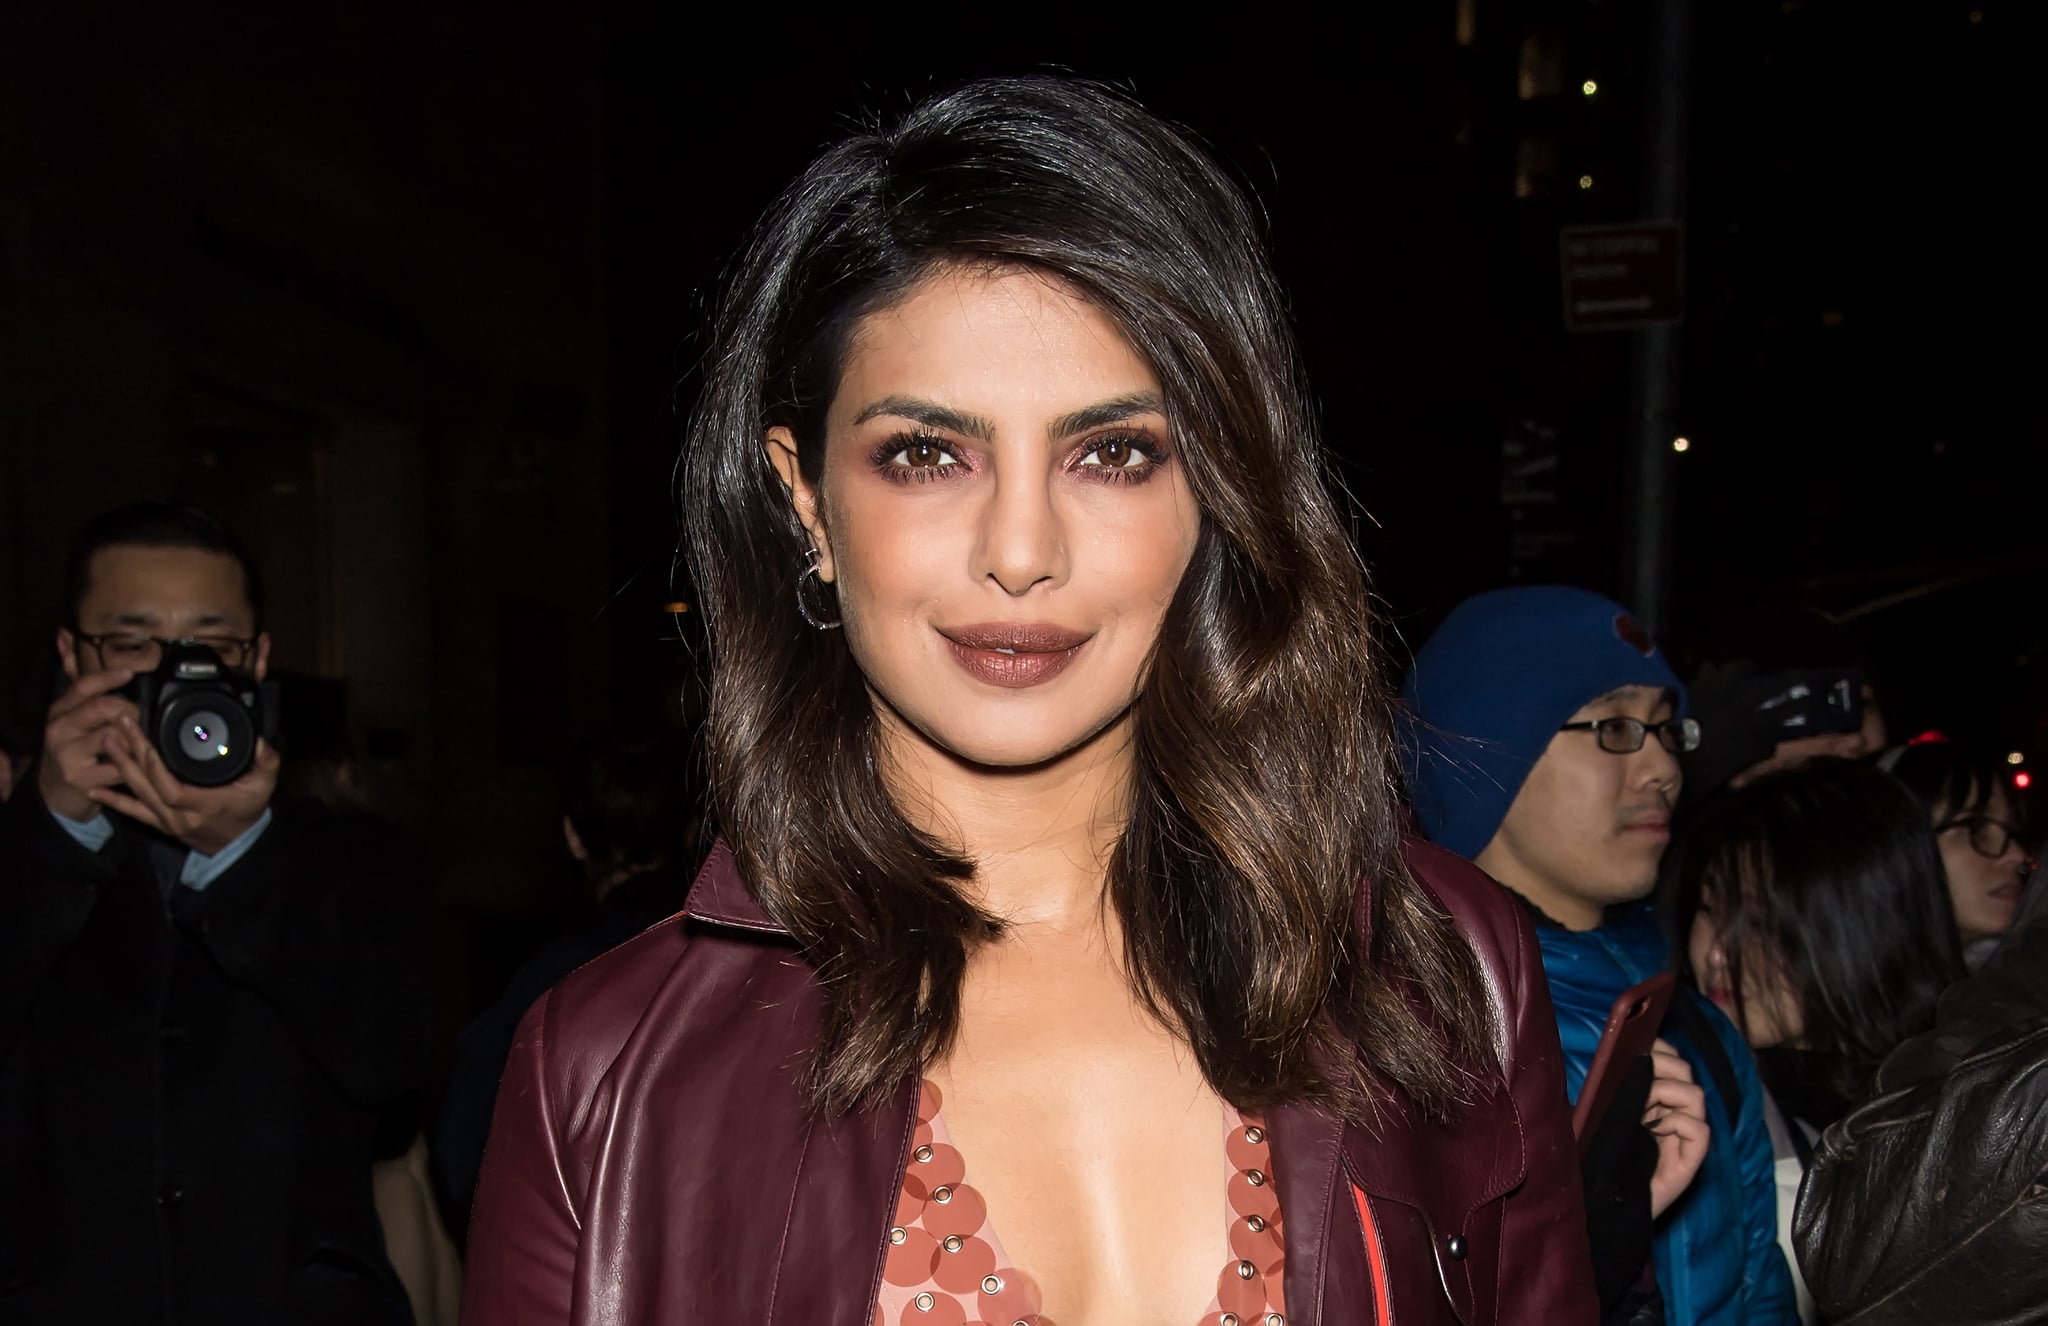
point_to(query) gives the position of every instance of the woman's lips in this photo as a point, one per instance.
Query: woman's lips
(1014, 655)
(1721, 996)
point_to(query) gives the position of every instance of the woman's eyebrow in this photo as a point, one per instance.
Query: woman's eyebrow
(932, 415)
(1112, 411)
(947, 419)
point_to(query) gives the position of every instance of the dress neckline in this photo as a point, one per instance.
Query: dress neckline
(946, 1265)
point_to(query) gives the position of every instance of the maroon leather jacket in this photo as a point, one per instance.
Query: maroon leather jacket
(652, 1158)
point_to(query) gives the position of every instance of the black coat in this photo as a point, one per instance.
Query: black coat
(190, 1082)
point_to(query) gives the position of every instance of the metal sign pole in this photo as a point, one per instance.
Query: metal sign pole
(1655, 386)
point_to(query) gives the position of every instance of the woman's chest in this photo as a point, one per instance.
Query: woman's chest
(1181, 1230)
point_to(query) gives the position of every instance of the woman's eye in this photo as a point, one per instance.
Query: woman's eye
(1116, 453)
(923, 456)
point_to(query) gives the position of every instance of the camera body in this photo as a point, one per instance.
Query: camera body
(202, 716)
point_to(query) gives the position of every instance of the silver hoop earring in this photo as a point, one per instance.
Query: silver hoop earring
(808, 582)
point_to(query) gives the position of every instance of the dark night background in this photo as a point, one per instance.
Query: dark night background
(413, 298)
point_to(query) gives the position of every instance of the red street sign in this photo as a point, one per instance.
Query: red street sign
(1617, 277)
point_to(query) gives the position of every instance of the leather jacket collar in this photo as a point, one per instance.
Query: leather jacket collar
(652, 1152)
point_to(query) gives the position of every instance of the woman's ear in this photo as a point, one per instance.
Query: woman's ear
(803, 498)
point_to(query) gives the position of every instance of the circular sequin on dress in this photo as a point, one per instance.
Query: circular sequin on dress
(946, 1267)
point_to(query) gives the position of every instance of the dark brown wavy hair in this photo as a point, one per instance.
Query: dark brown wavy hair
(1264, 795)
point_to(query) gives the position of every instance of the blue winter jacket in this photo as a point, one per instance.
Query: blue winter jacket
(1716, 1250)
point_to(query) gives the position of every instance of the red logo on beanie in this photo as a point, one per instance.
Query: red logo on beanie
(1632, 633)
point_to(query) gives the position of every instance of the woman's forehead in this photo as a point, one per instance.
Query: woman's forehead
(979, 342)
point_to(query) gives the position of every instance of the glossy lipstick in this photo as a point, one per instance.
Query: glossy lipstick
(1014, 655)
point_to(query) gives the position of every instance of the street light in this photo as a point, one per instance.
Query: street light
(1681, 444)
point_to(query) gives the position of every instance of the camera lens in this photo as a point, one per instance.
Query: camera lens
(206, 739)
(203, 736)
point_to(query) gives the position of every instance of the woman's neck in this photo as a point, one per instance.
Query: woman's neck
(1040, 837)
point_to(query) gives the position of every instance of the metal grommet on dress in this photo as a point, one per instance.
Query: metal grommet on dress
(945, 1261)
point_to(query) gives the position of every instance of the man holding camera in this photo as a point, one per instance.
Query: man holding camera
(208, 997)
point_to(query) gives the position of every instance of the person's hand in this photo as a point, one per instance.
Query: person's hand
(1677, 1116)
(205, 819)
(83, 724)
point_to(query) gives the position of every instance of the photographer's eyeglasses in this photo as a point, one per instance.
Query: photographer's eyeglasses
(1622, 735)
(1988, 837)
(140, 653)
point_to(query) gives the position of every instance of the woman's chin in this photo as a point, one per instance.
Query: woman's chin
(1011, 744)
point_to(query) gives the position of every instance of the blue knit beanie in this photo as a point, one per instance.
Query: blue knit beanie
(1492, 686)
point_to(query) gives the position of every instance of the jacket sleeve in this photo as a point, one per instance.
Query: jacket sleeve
(524, 1232)
(1767, 1294)
(49, 885)
(324, 918)
(1544, 1253)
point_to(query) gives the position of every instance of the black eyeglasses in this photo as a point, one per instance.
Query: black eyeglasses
(140, 653)
(1622, 735)
(1988, 837)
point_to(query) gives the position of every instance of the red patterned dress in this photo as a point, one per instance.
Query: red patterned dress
(946, 1267)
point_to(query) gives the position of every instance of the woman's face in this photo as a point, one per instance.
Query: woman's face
(1001, 514)
(1768, 1011)
(1984, 888)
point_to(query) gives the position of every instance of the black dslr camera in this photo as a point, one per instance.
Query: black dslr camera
(203, 716)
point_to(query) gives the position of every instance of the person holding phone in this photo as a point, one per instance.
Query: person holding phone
(1544, 728)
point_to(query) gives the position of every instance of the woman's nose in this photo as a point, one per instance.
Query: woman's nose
(1022, 544)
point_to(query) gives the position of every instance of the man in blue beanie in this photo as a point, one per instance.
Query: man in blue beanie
(1543, 727)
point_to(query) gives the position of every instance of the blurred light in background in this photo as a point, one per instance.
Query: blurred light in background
(1681, 444)
(1589, 87)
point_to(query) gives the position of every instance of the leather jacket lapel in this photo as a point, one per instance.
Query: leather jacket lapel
(1329, 1276)
(837, 1232)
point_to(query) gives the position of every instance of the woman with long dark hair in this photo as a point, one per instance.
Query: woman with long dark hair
(1812, 911)
(1061, 959)
(1976, 821)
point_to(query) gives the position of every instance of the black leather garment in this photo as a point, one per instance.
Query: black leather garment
(1929, 1203)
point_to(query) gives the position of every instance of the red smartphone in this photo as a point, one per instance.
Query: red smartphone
(1630, 1032)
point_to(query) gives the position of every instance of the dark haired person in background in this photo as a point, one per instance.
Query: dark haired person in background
(205, 997)
(1814, 915)
(1546, 728)
(629, 817)
(1976, 821)
(1926, 1203)
(1062, 906)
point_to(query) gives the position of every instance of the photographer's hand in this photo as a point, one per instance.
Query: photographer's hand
(84, 724)
(205, 819)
